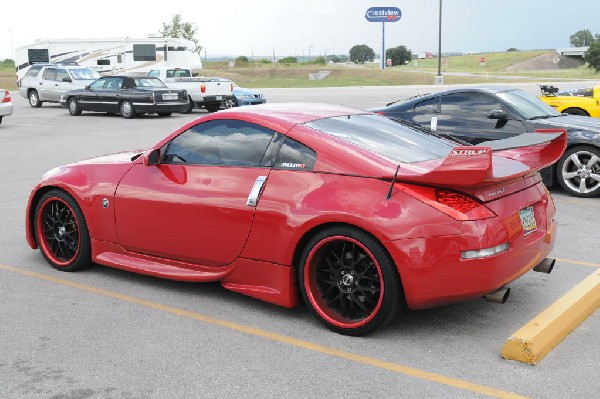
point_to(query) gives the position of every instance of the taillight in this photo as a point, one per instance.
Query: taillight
(456, 205)
(231, 88)
(6, 98)
(203, 88)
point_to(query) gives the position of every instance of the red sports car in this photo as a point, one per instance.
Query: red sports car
(357, 214)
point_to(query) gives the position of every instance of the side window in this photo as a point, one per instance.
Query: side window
(114, 83)
(62, 74)
(33, 72)
(49, 74)
(144, 52)
(469, 104)
(294, 155)
(220, 142)
(429, 106)
(154, 73)
(98, 84)
(103, 62)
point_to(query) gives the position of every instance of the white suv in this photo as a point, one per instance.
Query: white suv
(49, 82)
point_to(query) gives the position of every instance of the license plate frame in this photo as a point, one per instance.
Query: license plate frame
(527, 216)
(170, 96)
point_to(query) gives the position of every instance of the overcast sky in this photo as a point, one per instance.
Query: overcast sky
(259, 27)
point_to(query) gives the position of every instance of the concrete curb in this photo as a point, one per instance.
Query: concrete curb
(537, 338)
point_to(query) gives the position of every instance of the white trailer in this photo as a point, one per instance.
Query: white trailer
(111, 56)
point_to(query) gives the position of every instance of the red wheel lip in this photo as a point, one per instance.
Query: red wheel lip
(42, 241)
(318, 304)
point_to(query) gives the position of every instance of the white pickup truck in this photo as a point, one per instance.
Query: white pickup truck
(203, 92)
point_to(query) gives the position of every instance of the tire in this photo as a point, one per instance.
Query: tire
(127, 110)
(0, 120)
(230, 104)
(34, 99)
(164, 114)
(61, 232)
(576, 111)
(347, 296)
(578, 171)
(190, 106)
(212, 107)
(74, 108)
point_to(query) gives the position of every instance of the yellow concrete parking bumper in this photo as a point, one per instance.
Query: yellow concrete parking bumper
(534, 340)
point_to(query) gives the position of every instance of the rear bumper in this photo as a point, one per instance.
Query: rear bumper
(433, 272)
(6, 109)
(213, 99)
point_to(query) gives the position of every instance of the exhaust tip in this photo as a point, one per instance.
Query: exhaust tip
(499, 296)
(545, 266)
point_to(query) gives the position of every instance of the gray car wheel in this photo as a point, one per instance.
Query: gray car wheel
(578, 171)
(34, 99)
(127, 110)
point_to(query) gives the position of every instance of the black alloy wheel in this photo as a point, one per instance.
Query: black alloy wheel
(349, 281)
(61, 232)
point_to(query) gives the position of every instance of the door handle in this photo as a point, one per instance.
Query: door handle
(256, 191)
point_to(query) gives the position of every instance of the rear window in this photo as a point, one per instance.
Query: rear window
(385, 137)
(149, 82)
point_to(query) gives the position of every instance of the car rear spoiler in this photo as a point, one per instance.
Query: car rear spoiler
(491, 161)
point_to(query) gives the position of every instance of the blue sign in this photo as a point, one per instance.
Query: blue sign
(383, 14)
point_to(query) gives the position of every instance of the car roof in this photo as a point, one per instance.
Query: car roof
(295, 113)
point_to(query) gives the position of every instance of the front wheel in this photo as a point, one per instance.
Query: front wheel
(127, 110)
(34, 99)
(61, 232)
(578, 171)
(349, 281)
(74, 108)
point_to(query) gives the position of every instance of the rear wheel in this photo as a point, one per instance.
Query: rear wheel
(190, 106)
(576, 111)
(578, 171)
(61, 232)
(349, 281)
(212, 107)
(229, 103)
(127, 110)
(74, 108)
(0, 119)
(34, 99)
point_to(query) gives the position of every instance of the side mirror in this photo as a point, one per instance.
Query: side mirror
(67, 79)
(497, 114)
(152, 157)
(87, 87)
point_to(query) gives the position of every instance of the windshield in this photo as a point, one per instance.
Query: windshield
(84, 74)
(528, 106)
(384, 137)
(149, 82)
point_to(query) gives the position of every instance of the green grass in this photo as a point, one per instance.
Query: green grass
(421, 72)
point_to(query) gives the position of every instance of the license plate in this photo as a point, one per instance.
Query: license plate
(170, 96)
(528, 220)
(219, 98)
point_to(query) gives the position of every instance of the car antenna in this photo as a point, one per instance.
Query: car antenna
(389, 194)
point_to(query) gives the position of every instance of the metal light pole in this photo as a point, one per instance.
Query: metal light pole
(439, 79)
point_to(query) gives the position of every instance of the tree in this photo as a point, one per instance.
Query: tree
(512, 49)
(582, 38)
(288, 60)
(592, 56)
(333, 58)
(399, 55)
(320, 60)
(361, 53)
(177, 28)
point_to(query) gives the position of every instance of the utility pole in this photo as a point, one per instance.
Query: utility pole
(439, 79)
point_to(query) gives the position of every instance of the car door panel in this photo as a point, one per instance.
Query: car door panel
(191, 213)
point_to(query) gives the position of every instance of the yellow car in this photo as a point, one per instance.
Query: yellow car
(584, 101)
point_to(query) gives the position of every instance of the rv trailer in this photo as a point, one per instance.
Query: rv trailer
(111, 56)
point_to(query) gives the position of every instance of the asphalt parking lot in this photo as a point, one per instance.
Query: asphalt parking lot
(105, 333)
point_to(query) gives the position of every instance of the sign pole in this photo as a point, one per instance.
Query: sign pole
(383, 45)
